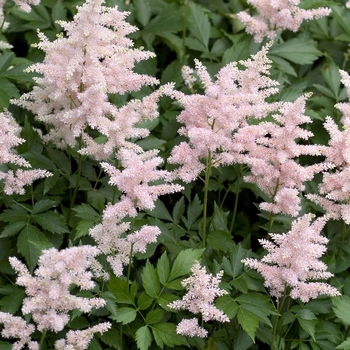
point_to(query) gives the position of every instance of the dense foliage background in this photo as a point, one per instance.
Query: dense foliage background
(59, 211)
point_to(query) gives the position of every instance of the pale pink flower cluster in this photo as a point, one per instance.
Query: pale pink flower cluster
(202, 289)
(17, 327)
(24, 5)
(141, 183)
(48, 292)
(9, 139)
(293, 261)
(270, 149)
(210, 120)
(334, 190)
(80, 340)
(79, 71)
(274, 15)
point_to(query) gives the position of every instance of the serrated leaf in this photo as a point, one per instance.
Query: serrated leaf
(5, 345)
(184, 262)
(38, 160)
(165, 334)
(179, 209)
(51, 221)
(83, 228)
(60, 159)
(150, 280)
(86, 212)
(234, 266)
(5, 61)
(15, 214)
(110, 299)
(125, 315)
(155, 316)
(165, 299)
(160, 211)
(341, 307)
(163, 268)
(297, 51)
(111, 338)
(248, 321)
(199, 24)
(25, 243)
(305, 314)
(344, 345)
(143, 338)
(12, 302)
(8, 91)
(220, 240)
(43, 205)
(119, 288)
(144, 301)
(194, 211)
(309, 326)
(12, 228)
(228, 305)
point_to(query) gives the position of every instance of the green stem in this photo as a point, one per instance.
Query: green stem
(80, 164)
(279, 310)
(43, 335)
(236, 198)
(205, 208)
(184, 30)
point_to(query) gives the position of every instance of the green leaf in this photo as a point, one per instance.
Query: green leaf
(155, 316)
(341, 307)
(234, 265)
(39, 161)
(142, 11)
(26, 245)
(258, 304)
(165, 334)
(5, 61)
(150, 280)
(33, 141)
(119, 288)
(51, 221)
(125, 315)
(297, 51)
(248, 321)
(83, 228)
(169, 20)
(309, 326)
(143, 338)
(15, 214)
(8, 91)
(13, 228)
(165, 299)
(220, 240)
(111, 338)
(194, 211)
(344, 345)
(43, 205)
(330, 73)
(144, 301)
(5, 346)
(61, 160)
(110, 299)
(12, 302)
(179, 210)
(228, 305)
(163, 268)
(160, 211)
(184, 262)
(86, 212)
(198, 24)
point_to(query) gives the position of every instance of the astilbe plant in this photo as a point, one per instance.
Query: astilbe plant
(15, 181)
(293, 261)
(79, 71)
(49, 298)
(202, 289)
(334, 190)
(211, 120)
(271, 150)
(274, 15)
